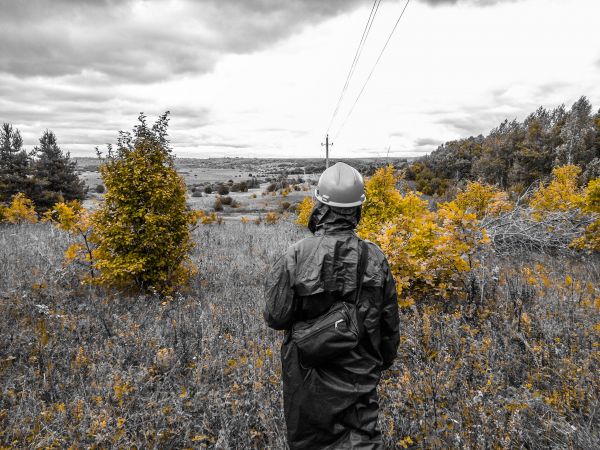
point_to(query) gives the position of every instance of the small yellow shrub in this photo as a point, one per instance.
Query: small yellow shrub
(20, 210)
(304, 210)
(76, 220)
(591, 205)
(482, 200)
(561, 194)
(207, 219)
(271, 218)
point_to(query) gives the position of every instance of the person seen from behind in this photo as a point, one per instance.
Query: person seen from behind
(335, 297)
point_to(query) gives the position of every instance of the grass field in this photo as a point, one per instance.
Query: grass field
(79, 366)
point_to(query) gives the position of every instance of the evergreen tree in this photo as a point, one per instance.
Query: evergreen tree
(56, 179)
(143, 226)
(14, 164)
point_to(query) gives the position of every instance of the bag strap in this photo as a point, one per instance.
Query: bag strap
(362, 265)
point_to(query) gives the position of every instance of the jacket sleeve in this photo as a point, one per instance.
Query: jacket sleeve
(390, 321)
(279, 293)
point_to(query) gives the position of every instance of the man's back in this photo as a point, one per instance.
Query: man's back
(333, 405)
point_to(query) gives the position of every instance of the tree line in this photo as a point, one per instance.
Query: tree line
(45, 175)
(515, 154)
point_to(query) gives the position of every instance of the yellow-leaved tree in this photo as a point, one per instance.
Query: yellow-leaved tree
(142, 228)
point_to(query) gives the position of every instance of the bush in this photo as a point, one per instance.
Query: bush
(20, 210)
(304, 210)
(284, 206)
(206, 219)
(561, 194)
(218, 205)
(208, 190)
(271, 218)
(430, 254)
(242, 186)
(142, 227)
(223, 189)
(482, 200)
(272, 187)
(100, 189)
(227, 200)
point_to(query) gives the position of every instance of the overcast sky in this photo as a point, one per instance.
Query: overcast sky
(262, 77)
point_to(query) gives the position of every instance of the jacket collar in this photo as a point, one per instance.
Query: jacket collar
(325, 219)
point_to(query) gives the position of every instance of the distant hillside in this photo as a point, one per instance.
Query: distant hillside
(266, 166)
(515, 154)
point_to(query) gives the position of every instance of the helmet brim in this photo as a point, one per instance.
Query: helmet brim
(339, 205)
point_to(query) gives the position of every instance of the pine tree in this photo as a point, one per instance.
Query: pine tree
(56, 179)
(14, 164)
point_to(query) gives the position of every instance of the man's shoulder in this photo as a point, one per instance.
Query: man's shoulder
(308, 242)
(375, 251)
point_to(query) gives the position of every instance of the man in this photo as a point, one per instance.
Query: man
(334, 405)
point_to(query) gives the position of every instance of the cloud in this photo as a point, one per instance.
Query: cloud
(475, 120)
(427, 142)
(136, 41)
(471, 2)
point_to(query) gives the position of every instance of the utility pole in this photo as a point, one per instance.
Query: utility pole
(327, 144)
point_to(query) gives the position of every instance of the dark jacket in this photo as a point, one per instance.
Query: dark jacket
(334, 406)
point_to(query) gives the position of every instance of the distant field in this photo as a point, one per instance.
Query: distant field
(201, 172)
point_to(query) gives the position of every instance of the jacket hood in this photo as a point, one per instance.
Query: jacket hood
(332, 218)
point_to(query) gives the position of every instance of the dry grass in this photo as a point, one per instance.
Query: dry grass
(516, 366)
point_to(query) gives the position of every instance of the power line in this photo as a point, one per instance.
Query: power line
(357, 54)
(372, 70)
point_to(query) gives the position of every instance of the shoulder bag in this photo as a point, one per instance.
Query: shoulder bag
(337, 331)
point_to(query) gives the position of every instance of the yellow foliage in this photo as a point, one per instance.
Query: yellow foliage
(271, 218)
(20, 210)
(75, 219)
(142, 229)
(482, 200)
(591, 205)
(304, 210)
(561, 194)
(384, 203)
(206, 219)
(405, 442)
(428, 252)
(121, 389)
(591, 196)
